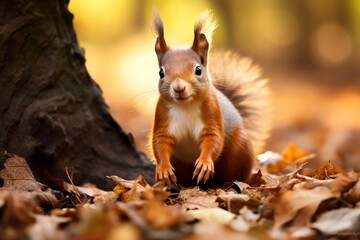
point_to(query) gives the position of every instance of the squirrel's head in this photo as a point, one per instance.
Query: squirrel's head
(183, 71)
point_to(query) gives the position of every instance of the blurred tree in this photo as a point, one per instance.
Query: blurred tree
(51, 111)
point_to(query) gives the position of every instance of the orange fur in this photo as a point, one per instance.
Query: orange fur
(236, 159)
(212, 136)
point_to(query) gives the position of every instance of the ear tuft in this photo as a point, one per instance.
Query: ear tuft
(203, 30)
(205, 24)
(160, 46)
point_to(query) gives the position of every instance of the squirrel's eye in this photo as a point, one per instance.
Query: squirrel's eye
(161, 73)
(198, 70)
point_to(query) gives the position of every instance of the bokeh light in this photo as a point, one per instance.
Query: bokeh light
(332, 43)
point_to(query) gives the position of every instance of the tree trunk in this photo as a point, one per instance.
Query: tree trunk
(51, 111)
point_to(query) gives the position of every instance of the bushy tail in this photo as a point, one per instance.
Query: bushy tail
(241, 81)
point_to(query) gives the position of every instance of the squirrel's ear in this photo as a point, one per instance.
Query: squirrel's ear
(203, 30)
(201, 47)
(160, 46)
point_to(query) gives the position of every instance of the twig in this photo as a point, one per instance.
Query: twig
(71, 180)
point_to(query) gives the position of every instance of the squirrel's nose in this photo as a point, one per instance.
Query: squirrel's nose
(179, 89)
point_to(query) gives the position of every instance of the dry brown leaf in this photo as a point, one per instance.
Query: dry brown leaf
(133, 194)
(241, 185)
(291, 155)
(47, 227)
(128, 183)
(343, 182)
(324, 171)
(343, 220)
(201, 202)
(127, 190)
(296, 208)
(120, 190)
(283, 182)
(261, 195)
(94, 223)
(194, 198)
(156, 192)
(160, 216)
(16, 214)
(105, 199)
(125, 231)
(234, 202)
(353, 195)
(257, 180)
(191, 192)
(18, 177)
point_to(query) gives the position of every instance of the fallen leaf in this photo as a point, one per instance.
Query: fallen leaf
(94, 223)
(353, 195)
(261, 195)
(298, 207)
(234, 202)
(257, 180)
(343, 220)
(127, 190)
(156, 192)
(193, 203)
(291, 155)
(160, 216)
(129, 183)
(194, 198)
(119, 190)
(343, 182)
(241, 185)
(16, 214)
(47, 227)
(324, 171)
(126, 231)
(105, 199)
(18, 177)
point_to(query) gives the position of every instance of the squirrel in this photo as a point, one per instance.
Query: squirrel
(212, 114)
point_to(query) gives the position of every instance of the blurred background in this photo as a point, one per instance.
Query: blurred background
(309, 49)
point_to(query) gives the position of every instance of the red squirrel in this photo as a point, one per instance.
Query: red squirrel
(212, 114)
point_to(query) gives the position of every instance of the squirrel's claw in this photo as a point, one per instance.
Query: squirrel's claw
(165, 174)
(203, 168)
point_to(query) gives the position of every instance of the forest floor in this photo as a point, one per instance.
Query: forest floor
(283, 200)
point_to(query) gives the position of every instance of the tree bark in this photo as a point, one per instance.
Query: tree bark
(51, 111)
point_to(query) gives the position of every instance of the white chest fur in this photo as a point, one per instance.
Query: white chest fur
(186, 126)
(185, 121)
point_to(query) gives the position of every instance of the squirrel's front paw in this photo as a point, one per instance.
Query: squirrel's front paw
(203, 168)
(165, 172)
